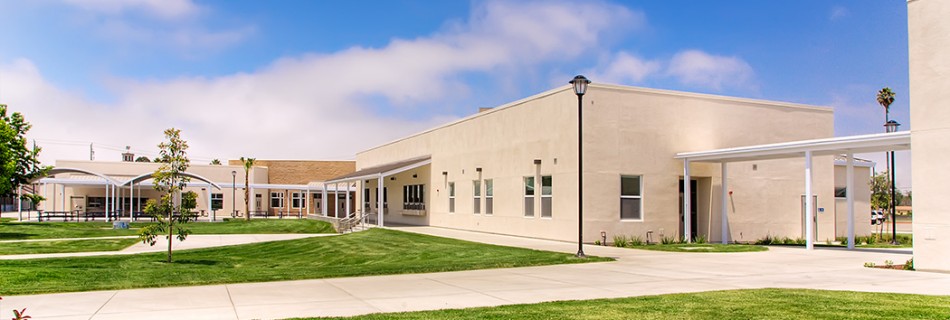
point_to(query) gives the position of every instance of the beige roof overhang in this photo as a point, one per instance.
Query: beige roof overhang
(383, 170)
(879, 142)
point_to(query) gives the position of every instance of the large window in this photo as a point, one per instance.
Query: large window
(451, 197)
(631, 198)
(529, 196)
(217, 201)
(296, 200)
(413, 197)
(546, 194)
(277, 199)
(477, 196)
(489, 195)
(366, 199)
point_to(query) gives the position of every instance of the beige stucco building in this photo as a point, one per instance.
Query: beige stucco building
(929, 48)
(276, 187)
(513, 169)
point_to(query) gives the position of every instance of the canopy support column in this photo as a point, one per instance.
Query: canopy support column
(379, 200)
(323, 193)
(725, 204)
(849, 194)
(106, 202)
(336, 198)
(687, 206)
(211, 214)
(809, 212)
(347, 199)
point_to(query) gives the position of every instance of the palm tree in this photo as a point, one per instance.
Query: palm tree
(215, 162)
(885, 98)
(248, 163)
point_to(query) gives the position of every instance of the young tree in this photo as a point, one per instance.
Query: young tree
(18, 163)
(248, 163)
(173, 209)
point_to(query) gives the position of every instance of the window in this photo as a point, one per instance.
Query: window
(217, 201)
(413, 197)
(317, 199)
(451, 197)
(489, 194)
(841, 192)
(546, 188)
(631, 198)
(277, 199)
(477, 196)
(366, 198)
(296, 200)
(529, 196)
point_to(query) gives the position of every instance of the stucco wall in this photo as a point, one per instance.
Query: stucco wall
(929, 47)
(628, 131)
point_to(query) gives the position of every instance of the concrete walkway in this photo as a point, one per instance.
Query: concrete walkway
(195, 241)
(637, 272)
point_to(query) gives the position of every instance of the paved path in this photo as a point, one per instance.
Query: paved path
(195, 241)
(637, 272)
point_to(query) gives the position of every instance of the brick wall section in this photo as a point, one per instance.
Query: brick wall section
(302, 171)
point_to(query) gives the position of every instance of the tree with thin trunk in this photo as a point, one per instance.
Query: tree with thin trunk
(885, 98)
(174, 208)
(248, 163)
(19, 164)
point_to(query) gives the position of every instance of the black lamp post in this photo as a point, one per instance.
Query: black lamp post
(233, 187)
(580, 87)
(891, 126)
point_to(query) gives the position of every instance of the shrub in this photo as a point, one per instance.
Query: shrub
(909, 265)
(843, 240)
(869, 264)
(888, 263)
(700, 239)
(787, 240)
(635, 241)
(800, 241)
(668, 240)
(620, 241)
(765, 241)
(597, 242)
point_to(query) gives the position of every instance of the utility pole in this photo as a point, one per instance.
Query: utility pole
(92, 153)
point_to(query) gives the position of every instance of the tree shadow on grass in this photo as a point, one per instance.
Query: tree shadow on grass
(196, 262)
(14, 235)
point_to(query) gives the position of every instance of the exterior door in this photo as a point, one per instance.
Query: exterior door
(692, 210)
(814, 208)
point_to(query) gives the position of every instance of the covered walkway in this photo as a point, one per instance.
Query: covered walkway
(806, 149)
(378, 173)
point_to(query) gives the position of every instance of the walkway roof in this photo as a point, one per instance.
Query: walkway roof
(383, 170)
(879, 142)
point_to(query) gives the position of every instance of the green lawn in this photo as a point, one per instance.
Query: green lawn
(733, 304)
(371, 252)
(62, 246)
(704, 247)
(58, 230)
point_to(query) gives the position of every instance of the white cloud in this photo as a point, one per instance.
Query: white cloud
(312, 106)
(838, 12)
(701, 69)
(164, 9)
(625, 68)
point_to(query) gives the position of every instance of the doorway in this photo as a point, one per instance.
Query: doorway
(693, 186)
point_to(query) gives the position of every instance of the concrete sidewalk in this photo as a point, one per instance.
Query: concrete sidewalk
(637, 272)
(195, 241)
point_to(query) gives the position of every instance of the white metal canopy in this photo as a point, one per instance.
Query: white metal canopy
(849, 145)
(377, 173)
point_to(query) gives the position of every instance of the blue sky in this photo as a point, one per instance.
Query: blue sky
(294, 79)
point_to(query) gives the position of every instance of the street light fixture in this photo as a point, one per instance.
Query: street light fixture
(580, 88)
(890, 127)
(233, 187)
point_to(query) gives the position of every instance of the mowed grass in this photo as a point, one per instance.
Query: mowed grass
(64, 246)
(58, 230)
(701, 247)
(733, 304)
(371, 252)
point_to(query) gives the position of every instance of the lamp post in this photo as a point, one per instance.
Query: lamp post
(891, 126)
(580, 87)
(233, 187)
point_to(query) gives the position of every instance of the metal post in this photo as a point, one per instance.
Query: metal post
(850, 198)
(893, 202)
(19, 203)
(809, 213)
(580, 176)
(379, 200)
(687, 204)
(725, 204)
(233, 194)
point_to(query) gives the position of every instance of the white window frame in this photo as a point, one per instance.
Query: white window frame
(525, 196)
(297, 200)
(279, 196)
(489, 196)
(620, 209)
(452, 197)
(217, 197)
(476, 196)
(550, 196)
